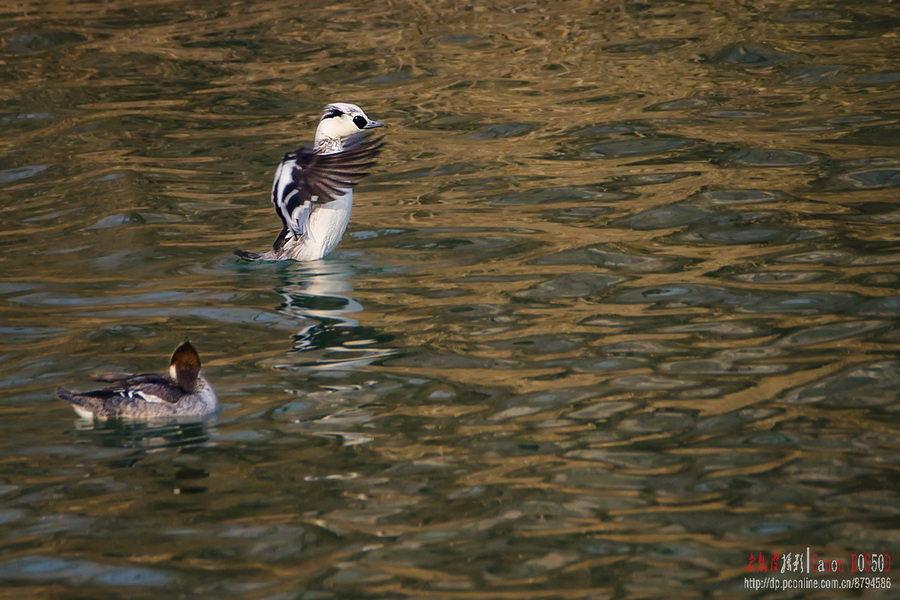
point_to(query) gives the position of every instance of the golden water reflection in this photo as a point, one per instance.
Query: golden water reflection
(616, 308)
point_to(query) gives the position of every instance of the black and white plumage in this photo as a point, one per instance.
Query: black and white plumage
(313, 187)
(306, 179)
(181, 393)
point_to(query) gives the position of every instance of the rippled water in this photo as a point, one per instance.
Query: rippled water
(616, 309)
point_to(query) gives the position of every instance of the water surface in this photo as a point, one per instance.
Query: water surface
(617, 308)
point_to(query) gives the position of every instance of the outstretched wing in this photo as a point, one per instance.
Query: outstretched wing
(306, 179)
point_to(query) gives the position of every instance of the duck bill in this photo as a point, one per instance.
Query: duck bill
(373, 124)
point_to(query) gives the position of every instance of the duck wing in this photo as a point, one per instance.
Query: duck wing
(305, 179)
(147, 387)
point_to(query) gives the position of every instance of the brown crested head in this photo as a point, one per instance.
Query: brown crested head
(185, 367)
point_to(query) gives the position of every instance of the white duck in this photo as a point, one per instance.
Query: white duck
(313, 189)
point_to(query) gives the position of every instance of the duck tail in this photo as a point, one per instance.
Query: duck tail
(66, 395)
(83, 405)
(247, 255)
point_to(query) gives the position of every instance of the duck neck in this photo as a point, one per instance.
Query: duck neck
(327, 145)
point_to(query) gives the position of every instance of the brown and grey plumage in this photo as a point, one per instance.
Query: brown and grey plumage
(182, 393)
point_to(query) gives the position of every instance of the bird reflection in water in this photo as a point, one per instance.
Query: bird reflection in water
(181, 435)
(319, 292)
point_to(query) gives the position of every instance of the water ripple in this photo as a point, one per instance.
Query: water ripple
(76, 571)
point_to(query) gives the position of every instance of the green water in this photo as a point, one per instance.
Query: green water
(616, 309)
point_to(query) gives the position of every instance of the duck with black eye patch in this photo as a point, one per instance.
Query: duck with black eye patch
(313, 188)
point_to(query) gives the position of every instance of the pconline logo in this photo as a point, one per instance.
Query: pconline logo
(808, 562)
